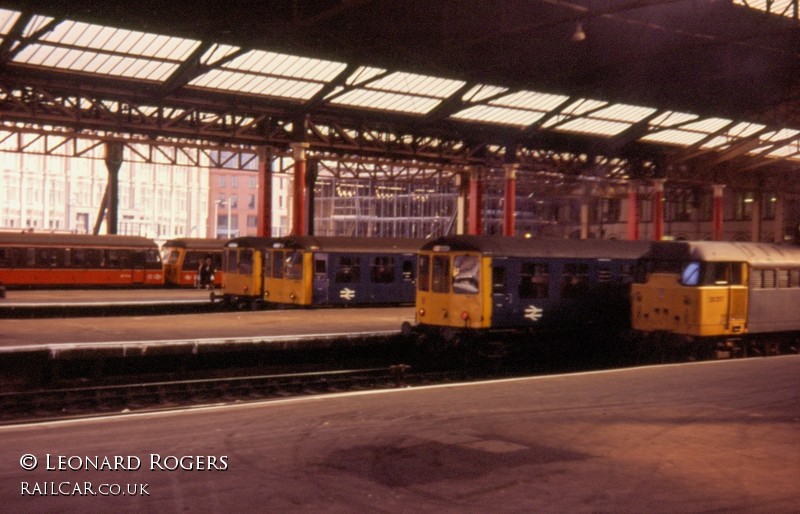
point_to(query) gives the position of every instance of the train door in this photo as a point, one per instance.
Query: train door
(138, 263)
(502, 296)
(321, 285)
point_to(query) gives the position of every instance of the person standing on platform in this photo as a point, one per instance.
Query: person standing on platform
(206, 274)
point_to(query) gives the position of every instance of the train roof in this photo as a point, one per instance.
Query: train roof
(250, 242)
(559, 248)
(726, 251)
(195, 243)
(352, 244)
(51, 239)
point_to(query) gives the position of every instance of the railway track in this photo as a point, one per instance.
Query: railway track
(77, 402)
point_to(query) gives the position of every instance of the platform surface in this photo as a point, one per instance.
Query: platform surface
(73, 297)
(214, 327)
(708, 437)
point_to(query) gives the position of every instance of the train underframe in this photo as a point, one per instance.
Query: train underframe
(587, 346)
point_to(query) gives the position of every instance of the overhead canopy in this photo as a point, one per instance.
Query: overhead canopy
(645, 78)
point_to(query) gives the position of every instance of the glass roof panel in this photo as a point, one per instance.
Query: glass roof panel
(707, 125)
(716, 142)
(675, 137)
(623, 112)
(594, 126)
(386, 101)
(7, 20)
(785, 151)
(745, 129)
(422, 85)
(582, 106)
(217, 52)
(672, 118)
(531, 100)
(776, 7)
(481, 92)
(83, 47)
(363, 74)
(499, 115)
(780, 135)
(289, 66)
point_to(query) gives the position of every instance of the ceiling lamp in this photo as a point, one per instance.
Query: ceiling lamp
(579, 34)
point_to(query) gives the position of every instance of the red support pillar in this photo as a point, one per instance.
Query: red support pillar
(264, 201)
(633, 211)
(716, 215)
(299, 227)
(658, 210)
(475, 221)
(509, 199)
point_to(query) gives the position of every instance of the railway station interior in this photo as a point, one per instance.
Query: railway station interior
(225, 125)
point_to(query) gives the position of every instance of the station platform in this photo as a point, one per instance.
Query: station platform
(717, 436)
(193, 333)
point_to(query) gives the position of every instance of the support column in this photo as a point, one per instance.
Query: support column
(463, 190)
(475, 211)
(509, 199)
(299, 227)
(633, 211)
(585, 203)
(658, 209)
(755, 219)
(264, 200)
(716, 213)
(780, 225)
(113, 164)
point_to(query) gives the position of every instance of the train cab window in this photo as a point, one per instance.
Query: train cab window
(230, 260)
(191, 261)
(246, 261)
(440, 276)
(424, 264)
(466, 274)
(534, 280)
(349, 270)
(381, 271)
(690, 276)
(173, 257)
(574, 280)
(277, 264)
(294, 265)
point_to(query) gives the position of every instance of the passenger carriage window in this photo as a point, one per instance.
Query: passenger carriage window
(534, 280)
(349, 270)
(381, 271)
(574, 280)
(424, 264)
(294, 265)
(499, 285)
(408, 270)
(191, 261)
(173, 257)
(440, 277)
(277, 264)
(94, 258)
(320, 266)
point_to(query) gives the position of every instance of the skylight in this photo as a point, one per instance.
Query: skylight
(520, 108)
(7, 20)
(401, 92)
(786, 8)
(270, 74)
(82, 47)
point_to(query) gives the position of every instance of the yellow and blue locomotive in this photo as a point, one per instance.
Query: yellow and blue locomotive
(477, 286)
(317, 271)
(723, 297)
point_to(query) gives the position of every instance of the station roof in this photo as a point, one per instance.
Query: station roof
(688, 76)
